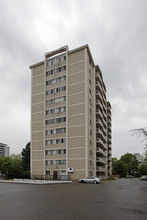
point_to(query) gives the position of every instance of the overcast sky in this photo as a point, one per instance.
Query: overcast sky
(116, 32)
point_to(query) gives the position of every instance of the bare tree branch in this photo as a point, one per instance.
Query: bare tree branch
(139, 132)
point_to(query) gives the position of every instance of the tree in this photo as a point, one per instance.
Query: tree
(16, 166)
(118, 167)
(121, 168)
(131, 163)
(139, 157)
(16, 156)
(143, 169)
(145, 159)
(11, 168)
(4, 165)
(26, 157)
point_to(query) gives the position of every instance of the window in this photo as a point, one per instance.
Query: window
(90, 121)
(90, 132)
(47, 152)
(60, 141)
(54, 71)
(90, 102)
(47, 172)
(90, 61)
(63, 161)
(55, 60)
(53, 152)
(48, 131)
(56, 141)
(90, 152)
(56, 110)
(51, 121)
(58, 151)
(55, 162)
(60, 130)
(90, 142)
(53, 91)
(47, 162)
(63, 172)
(63, 119)
(56, 100)
(53, 81)
(90, 111)
(90, 91)
(56, 131)
(56, 120)
(89, 72)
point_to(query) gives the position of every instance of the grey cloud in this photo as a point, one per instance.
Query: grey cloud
(117, 35)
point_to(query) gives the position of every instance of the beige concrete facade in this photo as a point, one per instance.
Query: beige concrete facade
(4, 150)
(70, 116)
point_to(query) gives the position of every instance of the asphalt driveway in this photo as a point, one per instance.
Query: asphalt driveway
(124, 199)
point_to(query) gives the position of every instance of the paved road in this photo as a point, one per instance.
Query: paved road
(124, 199)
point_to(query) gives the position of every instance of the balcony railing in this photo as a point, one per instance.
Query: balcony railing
(101, 169)
(100, 150)
(100, 160)
(109, 152)
(100, 141)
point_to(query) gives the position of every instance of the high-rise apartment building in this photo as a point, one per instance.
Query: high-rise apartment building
(4, 150)
(70, 116)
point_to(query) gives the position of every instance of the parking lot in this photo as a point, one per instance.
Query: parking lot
(122, 199)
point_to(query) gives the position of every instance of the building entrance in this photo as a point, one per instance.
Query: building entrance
(55, 175)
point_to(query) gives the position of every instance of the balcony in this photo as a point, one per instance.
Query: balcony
(109, 152)
(101, 93)
(109, 136)
(100, 160)
(98, 130)
(109, 130)
(109, 160)
(99, 140)
(101, 151)
(101, 169)
(108, 124)
(108, 117)
(99, 119)
(100, 124)
(109, 143)
(101, 105)
(109, 146)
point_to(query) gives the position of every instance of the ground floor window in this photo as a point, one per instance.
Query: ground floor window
(63, 172)
(47, 172)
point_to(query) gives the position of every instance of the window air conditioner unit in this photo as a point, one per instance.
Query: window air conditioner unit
(70, 170)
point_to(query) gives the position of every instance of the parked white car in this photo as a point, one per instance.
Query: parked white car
(90, 179)
(144, 177)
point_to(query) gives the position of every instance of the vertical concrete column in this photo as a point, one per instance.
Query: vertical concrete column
(31, 126)
(67, 109)
(86, 113)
